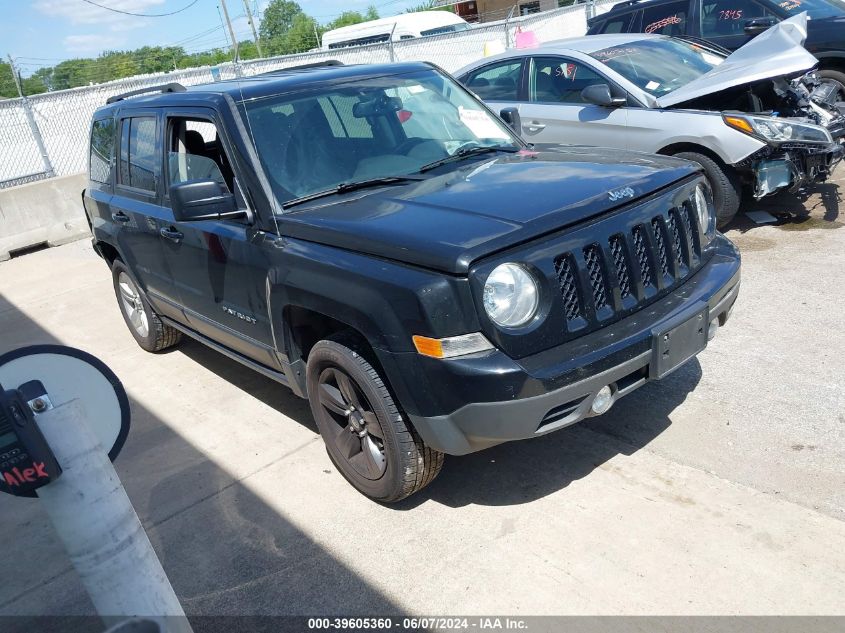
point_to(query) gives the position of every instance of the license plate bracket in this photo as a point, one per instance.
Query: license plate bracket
(677, 342)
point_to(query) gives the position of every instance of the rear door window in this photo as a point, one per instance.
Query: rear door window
(138, 153)
(666, 19)
(102, 150)
(496, 82)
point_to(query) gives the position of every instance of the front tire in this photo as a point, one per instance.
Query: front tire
(727, 190)
(143, 323)
(365, 434)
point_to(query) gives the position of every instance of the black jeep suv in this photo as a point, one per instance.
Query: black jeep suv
(731, 23)
(377, 240)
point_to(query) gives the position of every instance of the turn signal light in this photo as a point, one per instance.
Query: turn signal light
(451, 346)
(739, 123)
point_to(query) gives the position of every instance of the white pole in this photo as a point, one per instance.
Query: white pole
(100, 530)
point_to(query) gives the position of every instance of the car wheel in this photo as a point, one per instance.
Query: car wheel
(366, 436)
(727, 190)
(837, 77)
(144, 324)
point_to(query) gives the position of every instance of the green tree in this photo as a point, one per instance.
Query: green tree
(7, 82)
(72, 73)
(278, 20)
(114, 65)
(33, 85)
(45, 77)
(347, 18)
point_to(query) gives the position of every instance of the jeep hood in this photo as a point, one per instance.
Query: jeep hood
(776, 52)
(482, 206)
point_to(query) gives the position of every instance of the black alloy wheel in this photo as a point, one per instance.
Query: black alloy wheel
(358, 436)
(367, 436)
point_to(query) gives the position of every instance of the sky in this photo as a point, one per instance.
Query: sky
(44, 32)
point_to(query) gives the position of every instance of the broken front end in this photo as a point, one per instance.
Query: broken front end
(802, 122)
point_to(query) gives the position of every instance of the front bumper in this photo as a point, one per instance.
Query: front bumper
(794, 165)
(492, 398)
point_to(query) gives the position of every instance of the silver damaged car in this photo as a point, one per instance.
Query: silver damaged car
(758, 118)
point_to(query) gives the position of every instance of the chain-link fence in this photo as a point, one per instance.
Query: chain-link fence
(47, 134)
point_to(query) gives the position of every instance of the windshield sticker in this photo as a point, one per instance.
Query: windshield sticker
(415, 89)
(730, 14)
(480, 123)
(655, 26)
(652, 85)
(566, 70)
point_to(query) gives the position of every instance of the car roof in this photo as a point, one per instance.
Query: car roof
(586, 44)
(628, 5)
(591, 43)
(267, 84)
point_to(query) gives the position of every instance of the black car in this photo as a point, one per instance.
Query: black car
(377, 240)
(731, 23)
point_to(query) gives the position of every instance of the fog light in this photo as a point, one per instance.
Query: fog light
(711, 331)
(603, 400)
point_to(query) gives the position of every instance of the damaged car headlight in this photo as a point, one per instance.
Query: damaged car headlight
(704, 211)
(778, 130)
(511, 295)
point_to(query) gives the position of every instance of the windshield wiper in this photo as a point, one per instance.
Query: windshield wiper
(346, 187)
(466, 152)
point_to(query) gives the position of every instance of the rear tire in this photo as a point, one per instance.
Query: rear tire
(727, 190)
(143, 323)
(366, 436)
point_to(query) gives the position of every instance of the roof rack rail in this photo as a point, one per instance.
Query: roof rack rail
(171, 87)
(326, 63)
(625, 4)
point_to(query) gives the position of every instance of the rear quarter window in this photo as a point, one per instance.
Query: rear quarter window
(666, 19)
(102, 150)
(616, 24)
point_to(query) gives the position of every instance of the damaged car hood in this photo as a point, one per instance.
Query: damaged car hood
(776, 52)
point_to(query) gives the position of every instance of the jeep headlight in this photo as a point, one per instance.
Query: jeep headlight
(778, 130)
(511, 295)
(704, 211)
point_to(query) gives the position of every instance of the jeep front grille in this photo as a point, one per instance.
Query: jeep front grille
(607, 279)
(660, 245)
(565, 270)
(597, 277)
(617, 250)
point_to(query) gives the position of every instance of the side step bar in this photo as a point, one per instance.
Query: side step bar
(261, 369)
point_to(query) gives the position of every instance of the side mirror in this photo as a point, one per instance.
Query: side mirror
(758, 25)
(599, 94)
(511, 117)
(203, 200)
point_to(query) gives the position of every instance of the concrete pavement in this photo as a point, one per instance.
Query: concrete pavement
(720, 490)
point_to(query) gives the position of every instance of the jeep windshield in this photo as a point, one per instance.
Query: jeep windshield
(369, 132)
(659, 66)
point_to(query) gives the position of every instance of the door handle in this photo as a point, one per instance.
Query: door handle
(120, 216)
(171, 234)
(534, 126)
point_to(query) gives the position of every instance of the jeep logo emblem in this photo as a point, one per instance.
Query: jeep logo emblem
(618, 194)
